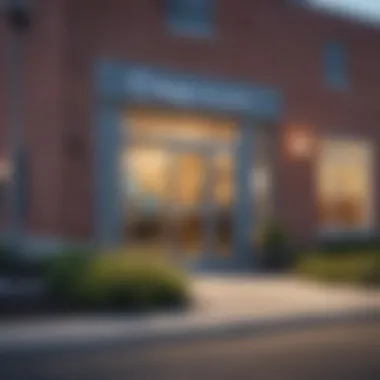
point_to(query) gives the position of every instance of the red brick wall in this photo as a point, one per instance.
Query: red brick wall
(46, 116)
(3, 99)
(257, 41)
(42, 114)
(3, 68)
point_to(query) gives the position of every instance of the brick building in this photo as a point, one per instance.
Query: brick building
(185, 124)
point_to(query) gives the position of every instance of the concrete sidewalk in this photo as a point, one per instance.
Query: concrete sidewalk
(222, 305)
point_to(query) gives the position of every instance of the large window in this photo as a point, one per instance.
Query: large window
(344, 185)
(177, 183)
(190, 17)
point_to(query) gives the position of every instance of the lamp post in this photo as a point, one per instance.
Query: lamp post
(18, 19)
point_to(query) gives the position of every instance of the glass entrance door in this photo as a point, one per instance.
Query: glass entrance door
(178, 201)
(189, 188)
(164, 192)
(222, 199)
(178, 184)
(146, 195)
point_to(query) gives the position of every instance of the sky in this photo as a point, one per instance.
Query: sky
(362, 8)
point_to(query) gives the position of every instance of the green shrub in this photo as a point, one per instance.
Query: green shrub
(362, 268)
(64, 276)
(372, 275)
(274, 248)
(117, 282)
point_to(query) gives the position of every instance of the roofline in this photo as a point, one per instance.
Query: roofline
(337, 14)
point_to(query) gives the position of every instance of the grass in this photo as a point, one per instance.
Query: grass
(360, 268)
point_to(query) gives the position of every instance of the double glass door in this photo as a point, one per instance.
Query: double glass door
(178, 200)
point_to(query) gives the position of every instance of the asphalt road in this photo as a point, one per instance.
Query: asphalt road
(345, 352)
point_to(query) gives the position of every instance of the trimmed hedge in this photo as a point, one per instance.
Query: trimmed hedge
(116, 282)
(64, 277)
(360, 268)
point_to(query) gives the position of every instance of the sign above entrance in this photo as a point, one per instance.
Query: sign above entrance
(155, 86)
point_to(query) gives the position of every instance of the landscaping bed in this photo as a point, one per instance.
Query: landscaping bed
(350, 260)
(352, 267)
(91, 282)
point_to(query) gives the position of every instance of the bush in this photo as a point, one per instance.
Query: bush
(117, 282)
(372, 275)
(64, 276)
(274, 248)
(362, 268)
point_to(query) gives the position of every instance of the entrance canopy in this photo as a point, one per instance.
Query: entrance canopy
(121, 86)
(117, 81)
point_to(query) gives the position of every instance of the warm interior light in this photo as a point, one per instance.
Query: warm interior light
(300, 143)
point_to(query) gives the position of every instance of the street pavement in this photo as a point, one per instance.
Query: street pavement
(350, 351)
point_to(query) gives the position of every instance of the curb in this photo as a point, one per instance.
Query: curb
(221, 330)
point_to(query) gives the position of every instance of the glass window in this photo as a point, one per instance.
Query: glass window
(192, 17)
(335, 65)
(179, 127)
(172, 165)
(344, 194)
(145, 195)
(223, 200)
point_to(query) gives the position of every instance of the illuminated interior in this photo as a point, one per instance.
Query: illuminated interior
(173, 168)
(344, 185)
(179, 126)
